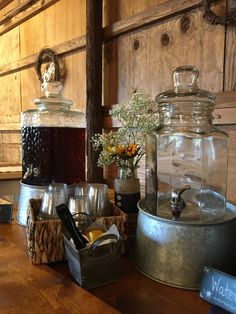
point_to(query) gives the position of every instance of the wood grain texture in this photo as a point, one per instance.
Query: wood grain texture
(110, 70)
(10, 99)
(93, 84)
(156, 13)
(62, 22)
(21, 14)
(226, 99)
(26, 288)
(10, 175)
(10, 42)
(134, 293)
(10, 102)
(27, 62)
(231, 182)
(224, 112)
(17, 10)
(4, 3)
(7, 8)
(230, 53)
(148, 67)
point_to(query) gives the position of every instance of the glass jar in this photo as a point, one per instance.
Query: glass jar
(53, 140)
(127, 188)
(186, 158)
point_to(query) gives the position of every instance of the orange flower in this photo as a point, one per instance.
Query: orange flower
(131, 149)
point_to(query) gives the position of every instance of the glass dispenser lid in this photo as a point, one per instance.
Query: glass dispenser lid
(53, 90)
(185, 88)
(53, 95)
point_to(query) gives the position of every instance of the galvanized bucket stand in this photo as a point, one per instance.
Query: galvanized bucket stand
(175, 252)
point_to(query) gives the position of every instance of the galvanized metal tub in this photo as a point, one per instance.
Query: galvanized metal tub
(175, 252)
(26, 193)
(32, 191)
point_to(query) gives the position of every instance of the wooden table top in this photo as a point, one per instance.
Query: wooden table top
(27, 288)
(134, 293)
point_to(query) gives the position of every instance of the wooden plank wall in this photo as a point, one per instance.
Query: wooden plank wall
(145, 58)
(140, 59)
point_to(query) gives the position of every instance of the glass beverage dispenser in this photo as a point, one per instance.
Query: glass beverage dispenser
(186, 165)
(53, 143)
(53, 140)
(184, 222)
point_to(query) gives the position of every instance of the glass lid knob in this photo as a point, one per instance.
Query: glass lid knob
(185, 76)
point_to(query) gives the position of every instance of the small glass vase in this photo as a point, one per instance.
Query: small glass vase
(127, 189)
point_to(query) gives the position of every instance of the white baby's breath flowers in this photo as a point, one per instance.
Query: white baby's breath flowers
(127, 145)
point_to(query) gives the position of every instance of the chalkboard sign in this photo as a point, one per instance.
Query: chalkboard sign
(219, 289)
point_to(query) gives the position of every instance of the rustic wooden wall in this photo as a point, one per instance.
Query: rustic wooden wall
(143, 60)
(144, 41)
(60, 23)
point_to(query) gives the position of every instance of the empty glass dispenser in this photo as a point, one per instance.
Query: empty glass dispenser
(186, 160)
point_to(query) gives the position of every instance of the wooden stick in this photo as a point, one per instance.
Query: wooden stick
(93, 84)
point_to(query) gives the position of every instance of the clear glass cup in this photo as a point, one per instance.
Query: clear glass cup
(59, 189)
(79, 204)
(99, 200)
(80, 208)
(56, 195)
(81, 189)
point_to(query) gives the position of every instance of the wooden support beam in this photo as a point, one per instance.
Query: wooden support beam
(93, 84)
(17, 10)
(155, 14)
(230, 52)
(4, 3)
(22, 13)
(69, 46)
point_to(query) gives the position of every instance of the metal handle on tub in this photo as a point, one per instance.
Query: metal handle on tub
(82, 220)
(100, 240)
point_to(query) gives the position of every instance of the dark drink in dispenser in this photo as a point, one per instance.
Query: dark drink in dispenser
(53, 140)
(57, 154)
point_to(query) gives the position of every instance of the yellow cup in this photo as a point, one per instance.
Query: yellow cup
(92, 235)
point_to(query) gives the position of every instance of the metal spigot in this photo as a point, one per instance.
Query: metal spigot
(29, 171)
(177, 202)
